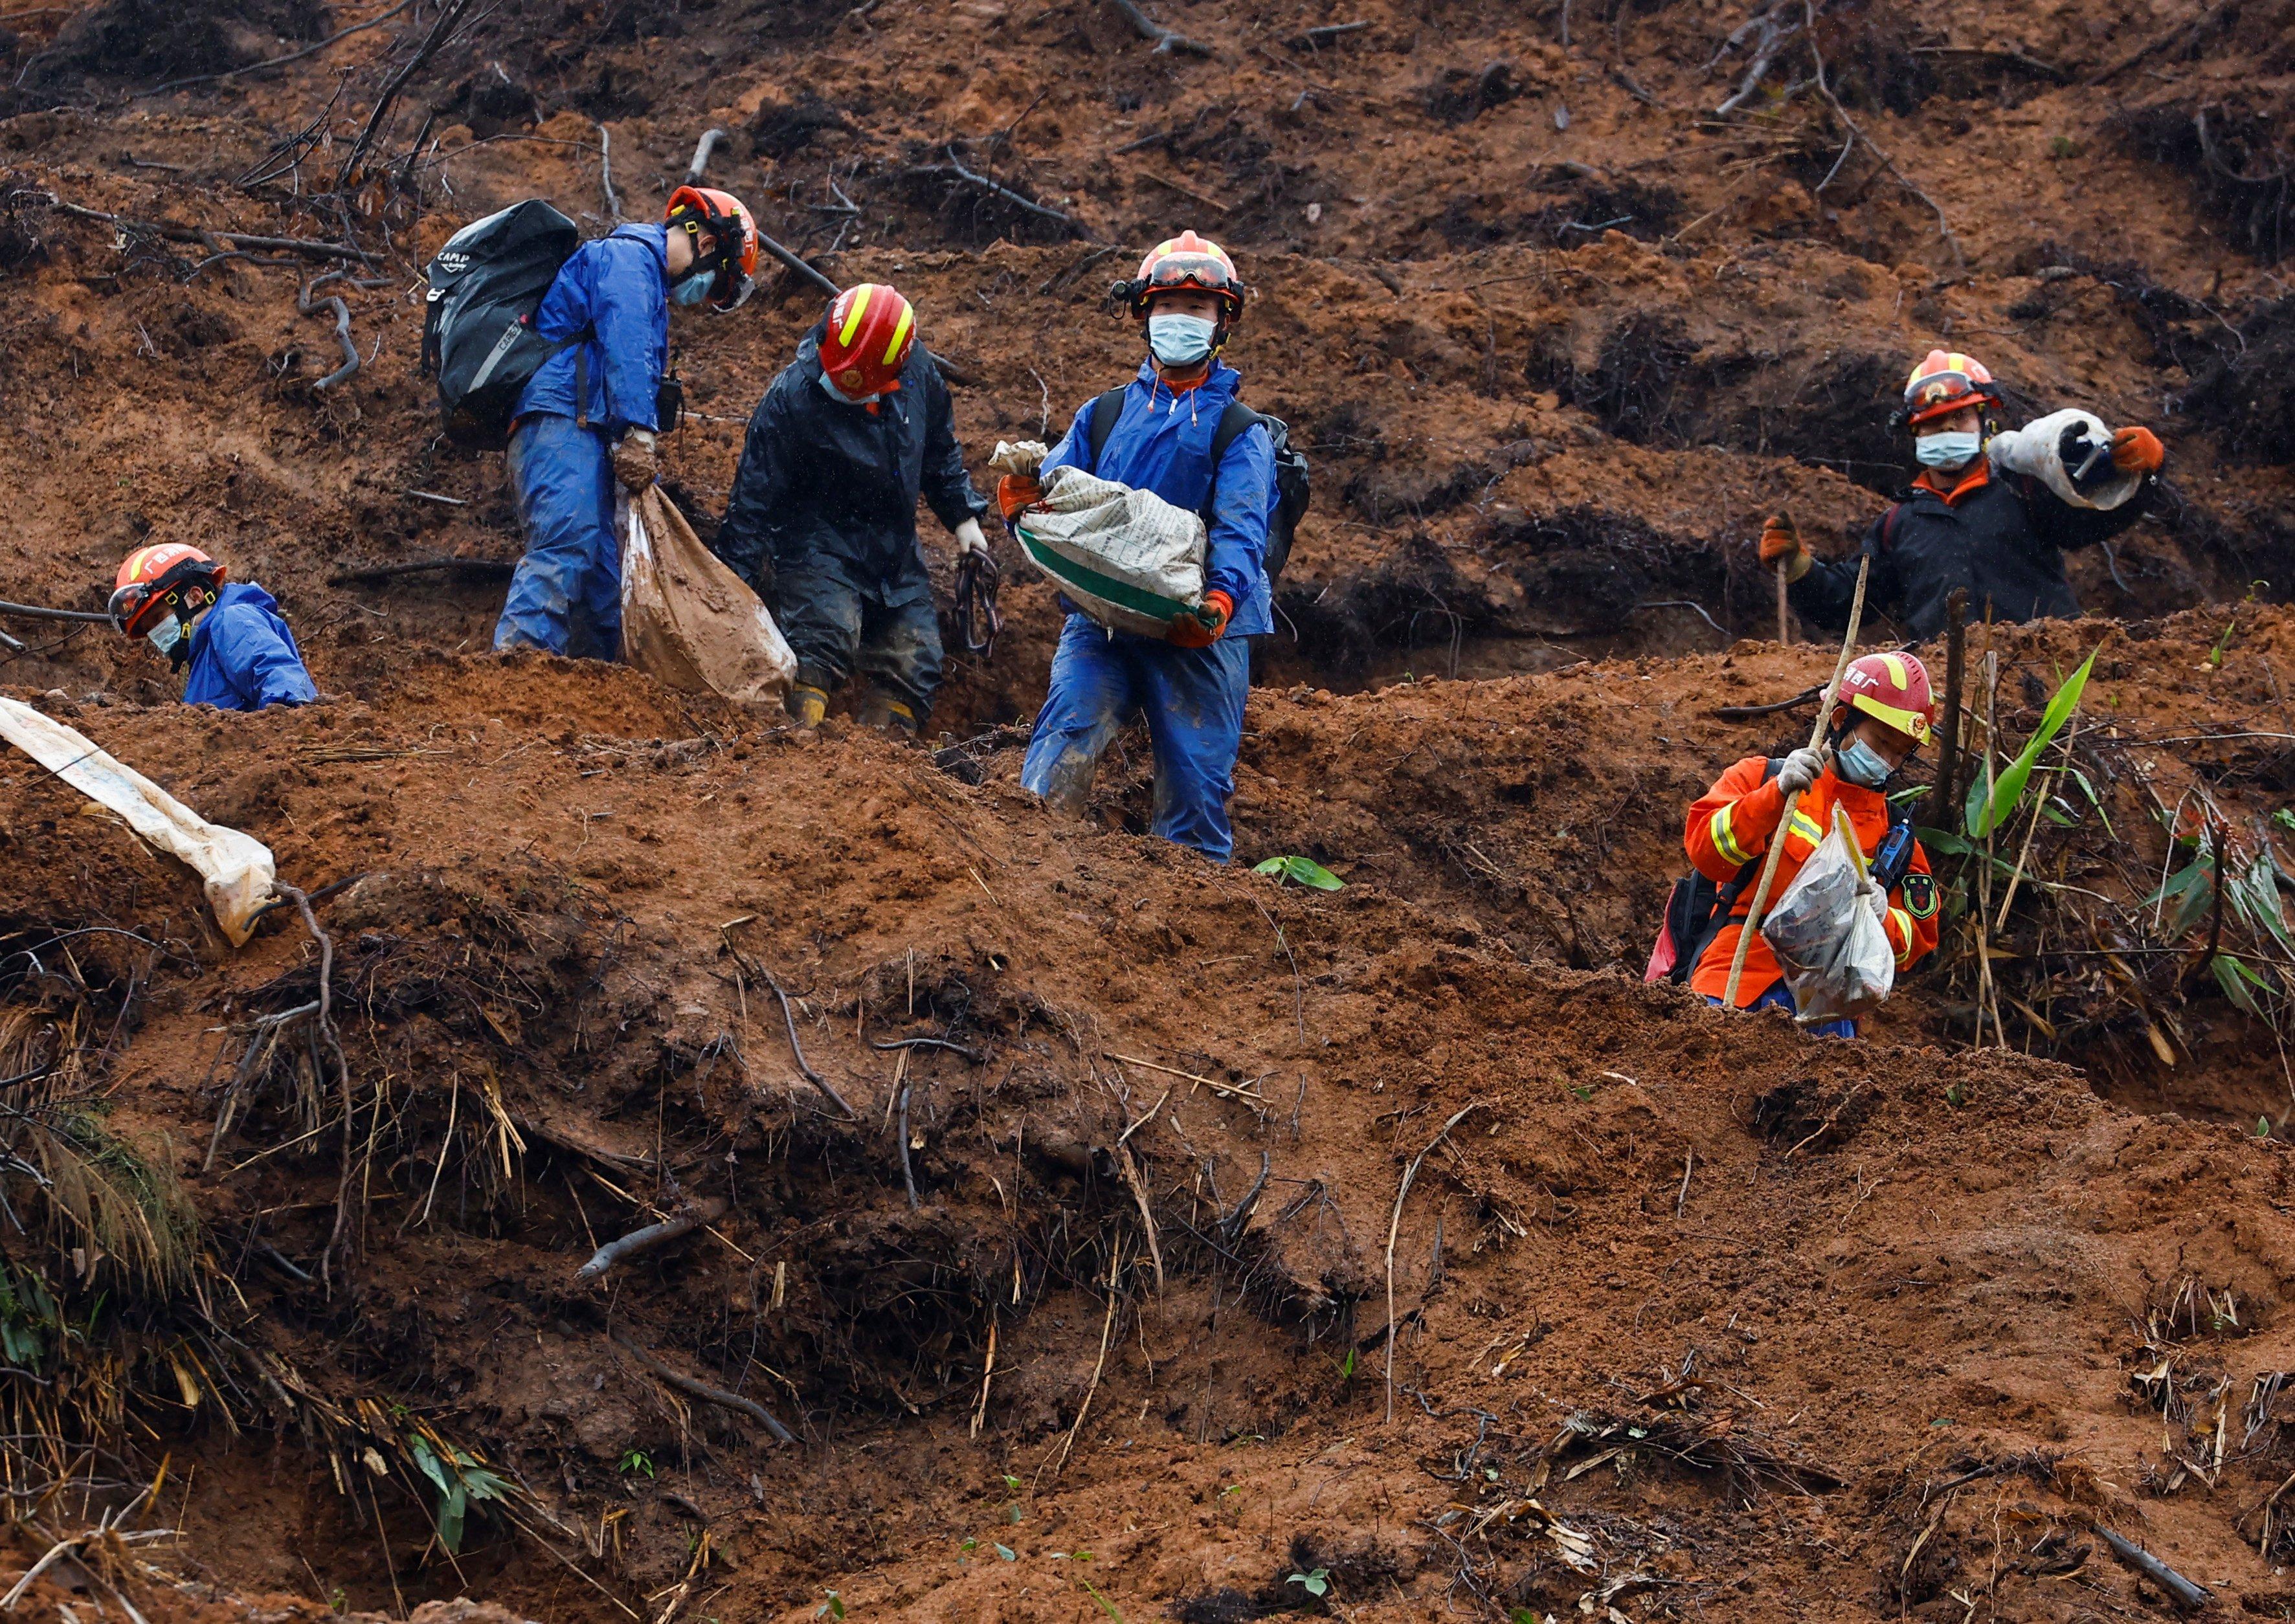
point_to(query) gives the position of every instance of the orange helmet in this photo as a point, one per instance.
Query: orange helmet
(867, 338)
(1943, 383)
(157, 582)
(696, 210)
(1894, 688)
(1185, 261)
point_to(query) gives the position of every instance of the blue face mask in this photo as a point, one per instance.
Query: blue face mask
(1860, 764)
(838, 394)
(1948, 451)
(1181, 340)
(164, 637)
(693, 288)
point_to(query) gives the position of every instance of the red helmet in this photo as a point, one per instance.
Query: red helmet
(1893, 687)
(157, 582)
(1943, 383)
(1185, 261)
(867, 340)
(697, 210)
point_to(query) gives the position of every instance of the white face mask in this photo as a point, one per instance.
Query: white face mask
(165, 635)
(1950, 450)
(1181, 340)
(836, 394)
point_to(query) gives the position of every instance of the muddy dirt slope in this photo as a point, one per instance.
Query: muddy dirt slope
(683, 1169)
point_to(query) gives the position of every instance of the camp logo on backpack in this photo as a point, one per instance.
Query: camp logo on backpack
(479, 337)
(1292, 493)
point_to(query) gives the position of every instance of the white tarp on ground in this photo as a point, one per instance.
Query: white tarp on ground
(236, 868)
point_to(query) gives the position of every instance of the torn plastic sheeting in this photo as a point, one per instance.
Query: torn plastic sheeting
(236, 869)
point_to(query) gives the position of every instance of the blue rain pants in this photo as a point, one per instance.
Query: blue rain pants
(1193, 699)
(567, 595)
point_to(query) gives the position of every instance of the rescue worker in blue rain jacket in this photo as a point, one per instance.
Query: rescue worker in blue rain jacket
(589, 415)
(225, 635)
(822, 517)
(1192, 683)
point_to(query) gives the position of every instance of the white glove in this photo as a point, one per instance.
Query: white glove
(1879, 899)
(637, 463)
(1800, 770)
(969, 539)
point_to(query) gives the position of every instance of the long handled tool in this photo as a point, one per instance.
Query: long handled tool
(33, 611)
(1785, 617)
(1777, 840)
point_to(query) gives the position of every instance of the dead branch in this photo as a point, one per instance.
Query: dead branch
(451, 16)
(335, 302)
(1394, 1224)
(482, 569)
(970, 177)
(2188, 1596)
(1106, 1330)
(1857, 134)
(280, 61)
(303, 246)
(1129, 1168)
(701, 1390)
(639, 1241)
(606, 174)
(908, 1172)
(1167, 42)
(33, 611)
(788, 1018)
(702, 149)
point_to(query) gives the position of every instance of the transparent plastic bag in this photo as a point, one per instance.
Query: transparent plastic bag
(1835, 955)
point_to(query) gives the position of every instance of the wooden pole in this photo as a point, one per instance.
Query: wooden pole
(1784, 822)
(1784, 615)
(1944, 813)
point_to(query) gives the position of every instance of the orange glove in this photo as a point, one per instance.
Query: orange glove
(1201, 628)
(1015, 494)
(1781, 547)
(2138, 451)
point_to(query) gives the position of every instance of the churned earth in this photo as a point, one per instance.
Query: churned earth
(1114, 1234)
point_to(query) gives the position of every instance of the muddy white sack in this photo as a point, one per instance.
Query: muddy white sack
(2033, 449)
(235, 869)
(1126, 558)
(688, 619)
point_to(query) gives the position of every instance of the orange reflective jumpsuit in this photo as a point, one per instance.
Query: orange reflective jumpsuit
(1730, 824)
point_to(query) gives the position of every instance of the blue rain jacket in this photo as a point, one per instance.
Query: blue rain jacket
(1163, 443)
(616, 290)
(243, 657)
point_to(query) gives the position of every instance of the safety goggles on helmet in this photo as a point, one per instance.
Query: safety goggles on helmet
(732, 255)
(1945, 382)
(154, 584)
(1187, 263)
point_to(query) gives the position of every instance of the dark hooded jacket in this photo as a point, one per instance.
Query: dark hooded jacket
(824, 486)
(2003, 537)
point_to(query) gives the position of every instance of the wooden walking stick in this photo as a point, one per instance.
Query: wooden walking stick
(1777, 840)
(1784, 621)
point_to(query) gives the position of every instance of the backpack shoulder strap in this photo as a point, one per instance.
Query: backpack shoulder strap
(1734, 887)
(1106, 409)
(1236, 421)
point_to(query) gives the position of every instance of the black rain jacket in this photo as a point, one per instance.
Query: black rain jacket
(2003, 537)
(823, 485)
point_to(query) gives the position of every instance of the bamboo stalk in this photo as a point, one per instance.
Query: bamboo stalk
(1784, 822)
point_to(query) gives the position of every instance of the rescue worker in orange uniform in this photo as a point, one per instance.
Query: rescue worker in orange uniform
(1881, 718)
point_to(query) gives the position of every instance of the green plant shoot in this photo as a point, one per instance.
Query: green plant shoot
(1301, 871)
(2008, 787)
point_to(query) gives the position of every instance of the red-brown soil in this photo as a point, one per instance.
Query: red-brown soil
(1692, 1316)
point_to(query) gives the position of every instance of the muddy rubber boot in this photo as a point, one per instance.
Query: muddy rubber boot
(889, 712)
(807, 705)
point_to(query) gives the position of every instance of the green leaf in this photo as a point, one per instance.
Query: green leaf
(2285, 816)
(2255, 890)
(1008, 1553)
(1942, 843)
(451, 1506)
(2008, 789)
(1317, 1583)
(1105, 1605)
(2233, 977)
(428, 1459)
(2188, 892)
(1301, 870)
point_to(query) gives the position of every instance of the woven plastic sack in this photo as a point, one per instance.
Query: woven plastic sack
(234, 869)
(1126, 558)
(688, 620)
(2035, 449)
(1835, 955)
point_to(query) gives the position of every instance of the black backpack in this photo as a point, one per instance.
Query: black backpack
(478, 339)
(1291, 492)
